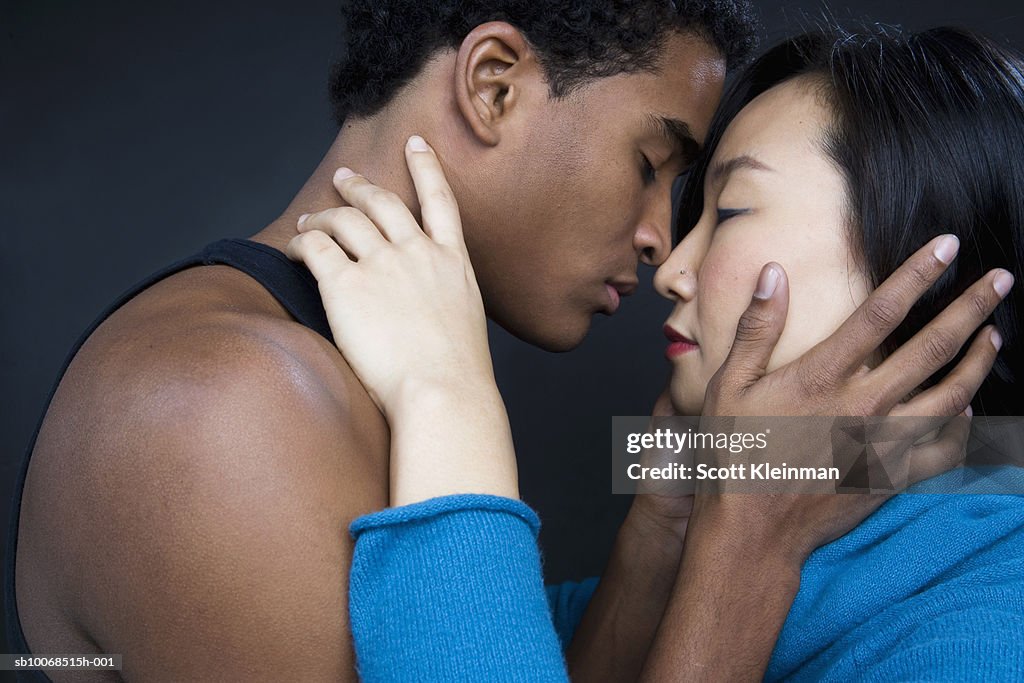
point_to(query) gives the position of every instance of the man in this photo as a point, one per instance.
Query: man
(194, 476)
(192, 483)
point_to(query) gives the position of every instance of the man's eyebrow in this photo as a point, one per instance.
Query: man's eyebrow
(678, 135)
(722, 169)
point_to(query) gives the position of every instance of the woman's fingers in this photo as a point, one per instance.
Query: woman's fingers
(349, 227)
(867, 328)
(389, 213)
(438, 208)
(384, 213)
(320, 253)
(954, 393)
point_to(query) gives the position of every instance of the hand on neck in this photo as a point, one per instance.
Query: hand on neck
(374, 146)
(367, 147)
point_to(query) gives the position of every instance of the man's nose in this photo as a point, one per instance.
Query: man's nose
(652, 239)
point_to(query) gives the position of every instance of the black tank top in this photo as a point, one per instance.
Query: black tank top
(290, 283)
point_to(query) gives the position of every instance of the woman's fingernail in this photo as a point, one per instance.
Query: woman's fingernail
(1003, 283)
(997, 339)
(343, 174)
(767, 283)
(969, 411)
(302, 218)
(418, 144)
(946, 248)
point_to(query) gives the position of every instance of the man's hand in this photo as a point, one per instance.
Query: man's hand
(743, 553)
(834, 379)
(659, 502)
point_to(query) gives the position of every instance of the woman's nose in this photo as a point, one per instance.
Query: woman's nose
(676, 278)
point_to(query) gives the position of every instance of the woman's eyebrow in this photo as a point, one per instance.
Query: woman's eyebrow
(721, 170)
(677, 135)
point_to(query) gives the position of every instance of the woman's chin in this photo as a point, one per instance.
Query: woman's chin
(684, 400)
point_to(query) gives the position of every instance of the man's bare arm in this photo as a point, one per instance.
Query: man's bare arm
(220, 548)
(620, 622)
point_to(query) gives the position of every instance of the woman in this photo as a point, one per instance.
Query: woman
(838, 157)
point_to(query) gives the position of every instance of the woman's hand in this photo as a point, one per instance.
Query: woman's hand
(402, 301)
(405, 311)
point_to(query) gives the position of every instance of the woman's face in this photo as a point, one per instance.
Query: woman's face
(771, 194)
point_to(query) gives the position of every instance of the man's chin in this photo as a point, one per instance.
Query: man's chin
(554, 338)
(560, 345)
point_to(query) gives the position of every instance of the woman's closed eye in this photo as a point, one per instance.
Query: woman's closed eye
(726, 214)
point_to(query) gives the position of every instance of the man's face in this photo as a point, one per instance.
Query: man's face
(580, 191)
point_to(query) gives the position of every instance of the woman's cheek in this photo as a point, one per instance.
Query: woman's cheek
(727, 281)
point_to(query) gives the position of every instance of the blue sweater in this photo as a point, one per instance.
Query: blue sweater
(930, 587)
(451, 589)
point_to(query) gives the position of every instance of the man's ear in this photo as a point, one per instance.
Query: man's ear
(494, 66)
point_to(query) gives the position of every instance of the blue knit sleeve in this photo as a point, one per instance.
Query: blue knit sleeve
(928, 588)
(568, 602)
(451, 589)
(980, 643)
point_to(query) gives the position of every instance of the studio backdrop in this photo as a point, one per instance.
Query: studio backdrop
(133, 134)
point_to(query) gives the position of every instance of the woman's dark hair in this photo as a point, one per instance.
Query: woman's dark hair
(928, 132)
(387, 42)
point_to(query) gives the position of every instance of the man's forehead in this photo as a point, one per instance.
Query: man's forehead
(677, 102)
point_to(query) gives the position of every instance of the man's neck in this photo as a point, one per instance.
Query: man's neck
(373, 147)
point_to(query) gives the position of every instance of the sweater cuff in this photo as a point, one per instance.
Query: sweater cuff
(451, 589)
(445, 505)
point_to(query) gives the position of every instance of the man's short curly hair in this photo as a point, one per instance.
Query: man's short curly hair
(387, 42)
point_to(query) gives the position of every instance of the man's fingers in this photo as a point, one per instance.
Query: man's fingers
(956, 390)
(387, 211)
(438, 208)
(758, 330)
(865, 330)
(939, 341)
(947, 451)
(908, 449)
(663, 404)
(349, 227)
(320, 253)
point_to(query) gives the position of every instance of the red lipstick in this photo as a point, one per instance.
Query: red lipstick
(679, 344)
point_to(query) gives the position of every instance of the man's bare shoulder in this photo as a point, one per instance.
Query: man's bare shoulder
(210, 349)
(216, 451)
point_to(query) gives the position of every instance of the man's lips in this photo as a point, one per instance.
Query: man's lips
(679, 344)
(616, 290)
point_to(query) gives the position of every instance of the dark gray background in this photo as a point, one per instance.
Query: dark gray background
(132, 134)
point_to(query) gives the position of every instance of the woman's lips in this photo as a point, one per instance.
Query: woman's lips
(678, 344)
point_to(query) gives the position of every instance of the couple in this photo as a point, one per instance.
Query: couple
(796, 169)
(191, 483)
